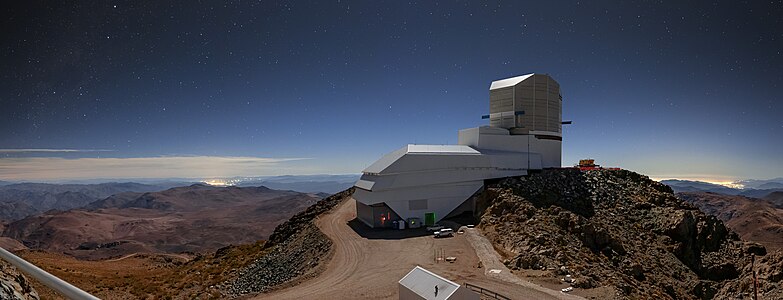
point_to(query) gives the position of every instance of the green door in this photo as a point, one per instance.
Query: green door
(429, 219)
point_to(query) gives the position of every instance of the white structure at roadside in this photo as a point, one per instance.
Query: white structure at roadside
(420, 284)
(429, 182)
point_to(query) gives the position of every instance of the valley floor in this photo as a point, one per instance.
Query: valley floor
(368, 263)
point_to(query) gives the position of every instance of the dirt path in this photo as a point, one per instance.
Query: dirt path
(368, 263)
(492, 261)
(177, 256)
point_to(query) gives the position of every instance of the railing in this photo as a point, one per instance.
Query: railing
(57, 284)
(485, 292)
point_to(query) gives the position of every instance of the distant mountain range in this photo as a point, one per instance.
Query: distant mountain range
(775, 183)
(20, 200)
(750, 188)
(306, 183)
(193, 218)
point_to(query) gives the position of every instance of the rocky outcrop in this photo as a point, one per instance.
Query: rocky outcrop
(296, 249)
(619, 229)
(14, 285)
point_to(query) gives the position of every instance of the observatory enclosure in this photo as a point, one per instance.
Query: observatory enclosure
(430, 182)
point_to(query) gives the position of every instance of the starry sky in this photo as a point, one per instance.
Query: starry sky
(126, 89)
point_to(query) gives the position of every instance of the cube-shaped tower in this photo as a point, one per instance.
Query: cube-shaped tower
(526, 103)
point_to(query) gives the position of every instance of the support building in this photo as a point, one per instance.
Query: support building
(426, 183)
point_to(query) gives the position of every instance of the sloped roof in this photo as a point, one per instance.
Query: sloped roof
(388, 159)
(423, 282)
(498, 84)
(451, 149)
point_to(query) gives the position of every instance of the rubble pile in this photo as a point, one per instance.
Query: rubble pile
(619, 228)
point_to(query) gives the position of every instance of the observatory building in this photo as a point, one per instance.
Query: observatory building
(426, 183)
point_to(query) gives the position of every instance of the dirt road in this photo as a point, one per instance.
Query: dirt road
(180, 257)
(368, 263)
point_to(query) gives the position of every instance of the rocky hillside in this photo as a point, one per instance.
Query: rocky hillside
(621, 229)
(295, 251)
(14, 285)
(756, 220)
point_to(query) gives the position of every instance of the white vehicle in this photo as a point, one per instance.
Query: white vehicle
(435, 227)
(444, 232)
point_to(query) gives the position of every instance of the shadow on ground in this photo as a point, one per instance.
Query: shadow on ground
(385, 233)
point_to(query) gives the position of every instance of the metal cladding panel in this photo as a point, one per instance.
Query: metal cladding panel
(512, 160)
(517, 143)
(494, 120)
(366, 197)
(386, 161)
(364, 184)
(550, 151)
(501, 100)
(432, 161)
(470, 136)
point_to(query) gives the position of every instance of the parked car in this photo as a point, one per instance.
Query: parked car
(444, 232)
(435, 227)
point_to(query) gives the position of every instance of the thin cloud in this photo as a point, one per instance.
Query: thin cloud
(57, 168)
(52, 150)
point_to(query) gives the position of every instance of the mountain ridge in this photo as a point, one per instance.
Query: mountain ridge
(19, 200)
(195, 218)
(754, 188)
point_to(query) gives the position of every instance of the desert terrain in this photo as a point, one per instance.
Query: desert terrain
(196, 218)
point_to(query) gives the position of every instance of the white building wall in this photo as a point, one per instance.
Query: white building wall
(493, 138)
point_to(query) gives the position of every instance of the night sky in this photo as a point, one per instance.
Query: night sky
(185, 89)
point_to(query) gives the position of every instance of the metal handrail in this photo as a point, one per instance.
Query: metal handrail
(57, 284)
(485, 292)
